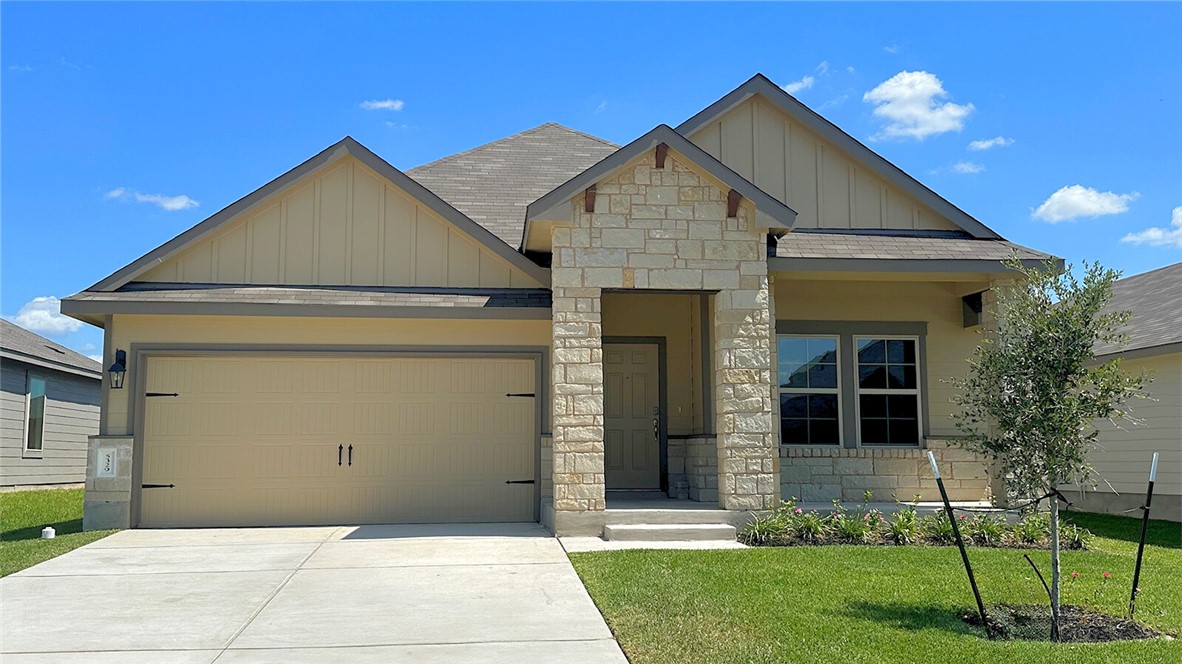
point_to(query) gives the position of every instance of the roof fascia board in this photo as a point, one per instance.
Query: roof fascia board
(16, 356)
(935, 265)
(346, 146)
(760, 85)
(157, 308)
(774, 209)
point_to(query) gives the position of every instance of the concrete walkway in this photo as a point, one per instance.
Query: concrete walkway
(488, 593)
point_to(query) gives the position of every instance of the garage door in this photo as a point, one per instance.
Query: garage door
(264, 440)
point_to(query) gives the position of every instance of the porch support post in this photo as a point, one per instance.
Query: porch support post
(578, 403)
(748, 450)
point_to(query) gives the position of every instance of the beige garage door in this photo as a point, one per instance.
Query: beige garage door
(263, 440)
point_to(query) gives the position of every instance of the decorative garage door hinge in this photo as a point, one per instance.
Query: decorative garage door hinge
(519, 481)
(521, 394)
(157, 486)
(162, 394)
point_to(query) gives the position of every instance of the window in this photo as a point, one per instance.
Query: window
(809, 395)
(888, 391)
(35, 421)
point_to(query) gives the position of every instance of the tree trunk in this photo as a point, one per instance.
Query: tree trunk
(1055, 575)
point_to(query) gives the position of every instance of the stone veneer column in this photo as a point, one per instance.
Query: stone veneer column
(748, 452)
(578, 399)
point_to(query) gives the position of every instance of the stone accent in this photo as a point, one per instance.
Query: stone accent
(664, 229)
(694, 460)
(546, 471)
(824, 474)
(107, 501)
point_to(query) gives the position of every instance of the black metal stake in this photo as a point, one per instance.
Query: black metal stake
(964, 554)
(1144, 533)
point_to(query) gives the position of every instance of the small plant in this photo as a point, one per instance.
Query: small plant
(811, 528)
(1032, 529)
(857, 527)
(903, 527)
(937, 529)
(1076, 538)
(985, 530)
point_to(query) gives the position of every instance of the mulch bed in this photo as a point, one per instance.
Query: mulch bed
(1032, 622)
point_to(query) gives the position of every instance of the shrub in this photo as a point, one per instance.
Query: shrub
(937, 529)
(811, 528)
(903, 527)
(1033, 528)
(1076, 538)
(985, 530)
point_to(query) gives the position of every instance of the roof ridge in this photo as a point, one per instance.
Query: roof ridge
(1148, 273)
(519, 134)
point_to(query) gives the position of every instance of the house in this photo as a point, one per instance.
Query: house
(747, 306)
(1124, 453)
(49, 407)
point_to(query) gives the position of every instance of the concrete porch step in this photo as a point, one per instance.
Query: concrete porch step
(671, 517)
(682, 532)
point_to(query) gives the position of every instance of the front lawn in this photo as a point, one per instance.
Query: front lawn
(22, 516)
(874, 603)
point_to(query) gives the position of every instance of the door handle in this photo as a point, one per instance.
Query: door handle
(657, 423)
(350, 454)
(340, 451)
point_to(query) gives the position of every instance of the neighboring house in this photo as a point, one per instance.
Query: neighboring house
(1154, 347)
(749, 306)
(49, 406)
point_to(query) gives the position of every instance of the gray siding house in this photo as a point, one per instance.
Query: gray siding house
(49, 406)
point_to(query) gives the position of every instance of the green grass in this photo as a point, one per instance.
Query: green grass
(22, 516)
(874, 604)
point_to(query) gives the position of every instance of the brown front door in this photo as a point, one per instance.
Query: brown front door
(632, 458)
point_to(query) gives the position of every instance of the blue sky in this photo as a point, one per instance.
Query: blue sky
(122, 125)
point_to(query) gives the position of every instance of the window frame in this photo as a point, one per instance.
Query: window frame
(810, 390)
(917, 391)
(846, 330)
(26, 451)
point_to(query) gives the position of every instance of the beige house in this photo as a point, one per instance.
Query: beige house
(1123, 456)
(549, 327)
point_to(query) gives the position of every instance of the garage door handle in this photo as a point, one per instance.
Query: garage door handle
(340, 451)
(519, 481)
(350, 455)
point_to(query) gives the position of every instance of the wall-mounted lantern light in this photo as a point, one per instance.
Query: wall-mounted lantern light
(118, 370)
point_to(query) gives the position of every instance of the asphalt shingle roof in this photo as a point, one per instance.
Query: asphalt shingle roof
(803, 244)
(325, 295)
(18, 343)
(1155, 300)
(493, 183)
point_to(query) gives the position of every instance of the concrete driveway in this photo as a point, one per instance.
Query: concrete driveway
(488, 593)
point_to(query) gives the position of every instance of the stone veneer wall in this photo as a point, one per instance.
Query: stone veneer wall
(824, 474)
(107, 501)
(664, 229)
(694, 460)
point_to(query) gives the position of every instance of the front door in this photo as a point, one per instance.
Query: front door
(632, 458)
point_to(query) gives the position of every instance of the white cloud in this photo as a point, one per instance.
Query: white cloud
(383, 104)
(908, 102)
(19, 68)
(850, 69)
(823, 68)
(43, 315)
(796, 86)
(968, 167)
(169, 203)
(834, 103)
(990, 143)
(1077, 201)
(96, 358)
(601, 107)
(892, 49)
(1160, 237)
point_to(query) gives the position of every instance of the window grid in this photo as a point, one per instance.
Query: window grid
(912, 393)
(808, 389)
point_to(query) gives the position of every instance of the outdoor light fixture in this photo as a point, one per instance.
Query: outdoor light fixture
(118, 370)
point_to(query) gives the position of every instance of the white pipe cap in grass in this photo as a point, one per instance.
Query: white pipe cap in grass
(48, 532)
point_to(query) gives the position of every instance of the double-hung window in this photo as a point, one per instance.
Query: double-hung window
(810, 395)
(888, 390)
(35, 415)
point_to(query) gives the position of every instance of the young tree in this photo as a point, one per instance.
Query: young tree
(1035, 388)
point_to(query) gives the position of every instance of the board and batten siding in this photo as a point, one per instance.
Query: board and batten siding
(71, 416)
(826, 187)
(949, 343)
(343, 225)
(1123, 455)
